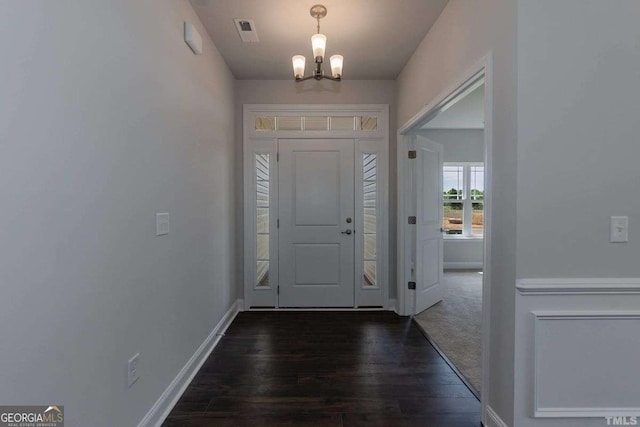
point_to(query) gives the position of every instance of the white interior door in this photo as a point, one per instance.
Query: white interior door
(316, 211)
(428, 252)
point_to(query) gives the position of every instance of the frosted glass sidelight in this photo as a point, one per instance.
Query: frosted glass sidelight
(262, 219)
(370, 220)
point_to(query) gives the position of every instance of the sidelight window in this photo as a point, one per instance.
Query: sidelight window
(370, 206)
(262, 219)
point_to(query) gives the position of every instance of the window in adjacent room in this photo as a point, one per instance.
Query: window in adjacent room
(463, 199)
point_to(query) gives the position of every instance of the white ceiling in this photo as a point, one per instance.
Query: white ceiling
(468, 113)
(376, 37)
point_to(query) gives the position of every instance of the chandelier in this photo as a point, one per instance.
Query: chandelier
(318, 44)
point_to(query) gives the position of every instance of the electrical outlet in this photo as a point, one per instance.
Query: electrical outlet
(132, 370)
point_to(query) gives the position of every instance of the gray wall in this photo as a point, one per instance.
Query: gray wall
(578, 137)
(106, 117)
(464, 33)
(459, 145)
(323, 92)
(462, 254)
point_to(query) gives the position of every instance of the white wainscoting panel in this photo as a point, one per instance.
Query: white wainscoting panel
(577, 351)
(583, 361)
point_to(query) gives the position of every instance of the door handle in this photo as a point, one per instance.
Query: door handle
(347, 232)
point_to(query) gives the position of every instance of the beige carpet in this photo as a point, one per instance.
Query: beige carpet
(455, 322)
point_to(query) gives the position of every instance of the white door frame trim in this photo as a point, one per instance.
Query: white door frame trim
(483, 66)
(266, 142)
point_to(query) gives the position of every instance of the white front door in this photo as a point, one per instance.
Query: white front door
(428, 263)
(316, 211)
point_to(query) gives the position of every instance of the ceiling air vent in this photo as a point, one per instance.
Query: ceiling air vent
(247, 30)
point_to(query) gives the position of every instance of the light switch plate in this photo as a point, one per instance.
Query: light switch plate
(162, 224)
(619, 229)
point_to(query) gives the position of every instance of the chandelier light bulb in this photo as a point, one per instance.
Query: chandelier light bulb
(336, 66)
(298, 66)
(319, 44)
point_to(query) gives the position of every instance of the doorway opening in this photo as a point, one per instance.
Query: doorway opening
(454, 324)
(444, 164)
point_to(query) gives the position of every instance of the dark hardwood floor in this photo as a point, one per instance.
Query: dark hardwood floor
(325, 369)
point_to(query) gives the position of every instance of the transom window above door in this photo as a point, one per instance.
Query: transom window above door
(316, 123)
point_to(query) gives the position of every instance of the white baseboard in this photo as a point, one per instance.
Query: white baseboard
(493, 419)
(462, 265)
(393, 305)
(163, 406)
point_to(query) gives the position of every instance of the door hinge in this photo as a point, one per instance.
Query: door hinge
(278, 223)
(411, 285)
(413, 154)
(278, 156)
(411, 220)
(278, 289)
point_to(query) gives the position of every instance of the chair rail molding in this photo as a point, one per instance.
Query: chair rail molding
(577, 286)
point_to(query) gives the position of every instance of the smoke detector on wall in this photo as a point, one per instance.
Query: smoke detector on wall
(247, 30)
